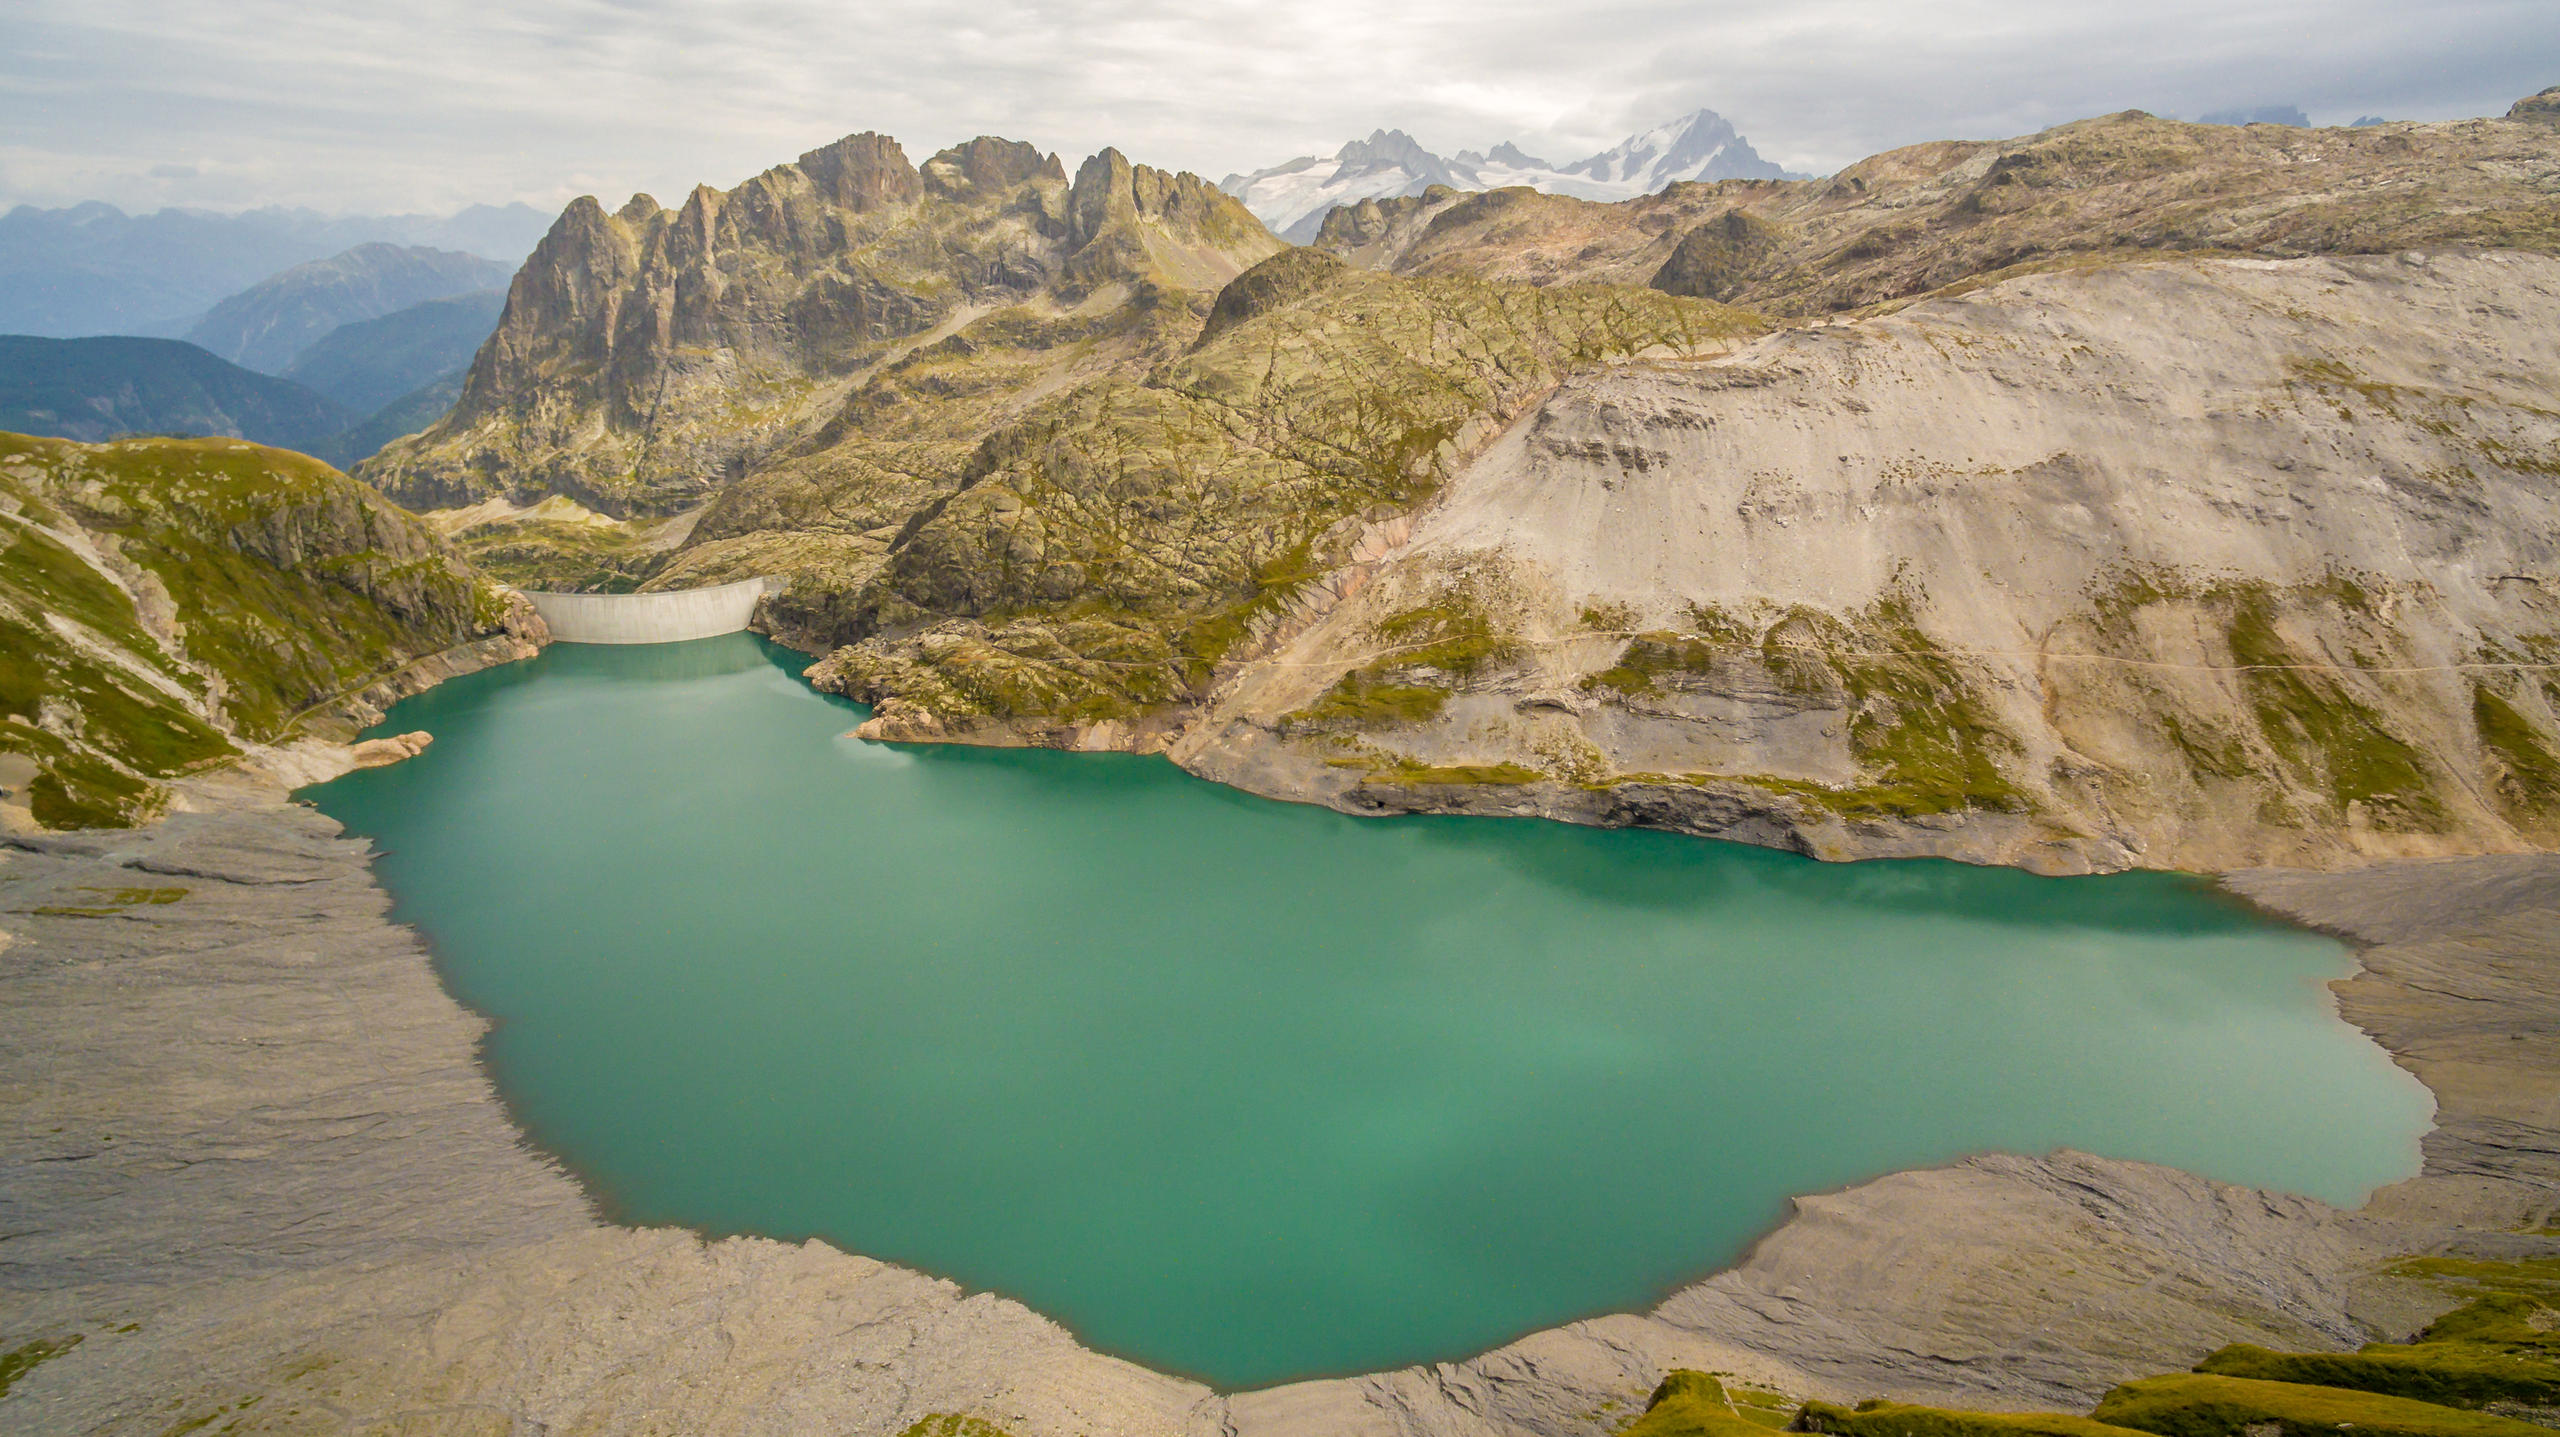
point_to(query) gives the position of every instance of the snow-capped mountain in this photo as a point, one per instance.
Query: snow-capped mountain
(1293, 198)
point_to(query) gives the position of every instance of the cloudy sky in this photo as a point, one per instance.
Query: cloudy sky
(432, 104)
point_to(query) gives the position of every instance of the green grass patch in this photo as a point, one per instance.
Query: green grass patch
(2321, 732)
(2530, 1276)
(1432, 648)
(112, 901)
(26, 1357)
(1895, 1419)
(1693, 1404)
(1647, 658)
(2532, 779)
(2448, 1374)
(1406, 772)
(953, 1424)
(2205, 1405)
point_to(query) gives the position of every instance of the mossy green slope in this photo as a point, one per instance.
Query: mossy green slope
(2501, 1348)
(1098, 558)
(2497, 1351)
(163, 600)
(1897, 1419)
(2206, 1405)
(1693, 1404)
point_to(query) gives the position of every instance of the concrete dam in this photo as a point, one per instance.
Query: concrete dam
(663, 618)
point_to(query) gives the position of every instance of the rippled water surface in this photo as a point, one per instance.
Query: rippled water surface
(1251, 1090)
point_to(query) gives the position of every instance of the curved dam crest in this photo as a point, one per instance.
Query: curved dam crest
(670, 617)
(1025, 1019)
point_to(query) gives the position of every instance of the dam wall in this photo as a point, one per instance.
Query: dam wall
(665, 618)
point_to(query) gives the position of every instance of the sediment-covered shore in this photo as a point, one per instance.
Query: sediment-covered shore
(256, 1171)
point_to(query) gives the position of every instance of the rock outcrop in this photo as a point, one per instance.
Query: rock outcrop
(2191, 564)
(648, 355)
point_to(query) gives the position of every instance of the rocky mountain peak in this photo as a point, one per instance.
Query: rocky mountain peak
(861, 172)
(633, 341)
(2543, 108)
(988, 166)
(1104, 190)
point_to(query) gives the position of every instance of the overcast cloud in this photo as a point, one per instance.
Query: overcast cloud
(432, 104)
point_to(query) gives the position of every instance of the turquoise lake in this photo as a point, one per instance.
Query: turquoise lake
(1252, 1091)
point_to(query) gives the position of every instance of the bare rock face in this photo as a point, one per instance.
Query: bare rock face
(648, 355)
(2190, 564)
(1715, 260)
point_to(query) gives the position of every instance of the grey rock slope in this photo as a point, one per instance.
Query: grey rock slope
(267, 326)
(2192, 564)
(255, 1170)
(367, 363)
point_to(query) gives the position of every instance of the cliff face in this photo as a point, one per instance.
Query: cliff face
(647, 356)
(1909, 221)
(2185, 564)
(165, 603)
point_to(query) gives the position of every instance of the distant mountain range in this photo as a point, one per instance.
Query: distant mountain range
(267, 326)
(102, 388)
(1293, 198)
(93, 269)
(334, 357)
(368, 363)
(360, 386)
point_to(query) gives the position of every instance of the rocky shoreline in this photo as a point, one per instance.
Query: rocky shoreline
(257, 1171)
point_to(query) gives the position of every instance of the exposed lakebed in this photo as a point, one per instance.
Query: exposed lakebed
(1250, 1090)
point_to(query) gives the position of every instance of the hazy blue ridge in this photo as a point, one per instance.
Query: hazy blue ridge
(100, 388)
(267, 326)
(370, 363)
(93, 269)
(407, 414)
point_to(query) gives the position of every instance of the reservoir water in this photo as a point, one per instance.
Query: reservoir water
(1250, 1090)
